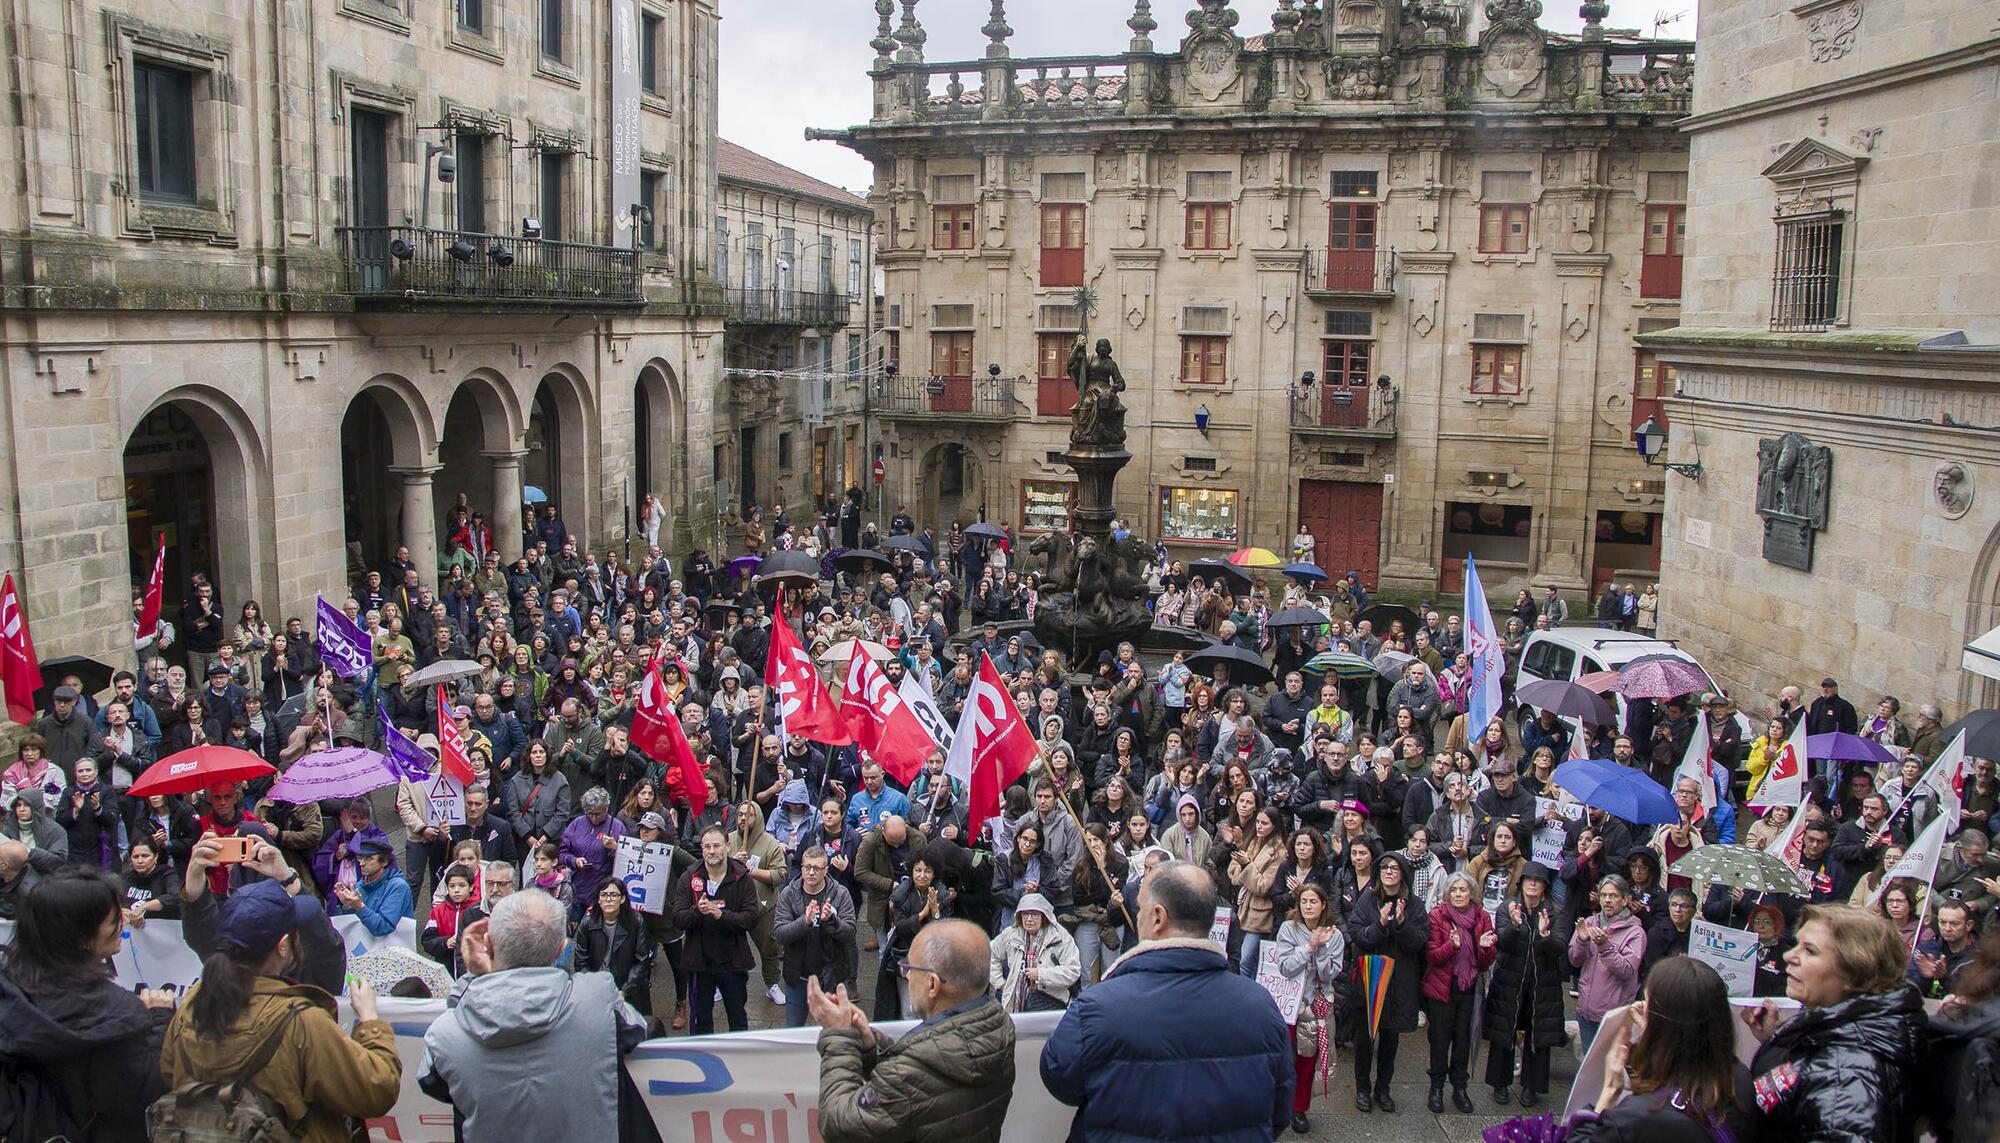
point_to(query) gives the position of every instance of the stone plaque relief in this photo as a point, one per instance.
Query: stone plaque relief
(1951, 489)
(1426, 294)
(1831, 27)
(1794, 483)
(1212, 50)
(1511, 49)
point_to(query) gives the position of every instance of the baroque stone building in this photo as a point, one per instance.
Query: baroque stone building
(1835, 372)
(281, 277)
(1376, 273)
(796, 260)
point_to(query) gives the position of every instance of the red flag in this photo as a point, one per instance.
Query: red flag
(451, 744)
(881, 721)
(20, 671)
(992, 747)
(149, 612)
(656, 731)
(804, 707)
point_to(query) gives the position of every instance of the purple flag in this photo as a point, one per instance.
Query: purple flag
(341, 644)
(406, 758)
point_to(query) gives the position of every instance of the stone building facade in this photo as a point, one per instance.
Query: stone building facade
(796, 261)
(1840, 288)
(246, 315)
(1376, 273)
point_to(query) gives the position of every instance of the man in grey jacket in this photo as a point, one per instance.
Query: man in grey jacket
(524, 1049)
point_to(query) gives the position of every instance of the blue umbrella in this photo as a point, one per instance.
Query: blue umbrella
(1618, 790)
(1304, 571)
(533, 495)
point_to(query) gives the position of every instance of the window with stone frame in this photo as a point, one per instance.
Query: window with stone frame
(1210, 210)
(1056, 327)
(1205, 345)
(555, 13)
(1499, 347)
(953, 214)
(1805, 286)
(1652, 379)
(1666, 234)
(652, 28)
(1505, 211)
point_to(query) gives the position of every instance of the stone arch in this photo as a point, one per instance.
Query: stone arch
(219, 503)
(479, 454)
(949, 486)
(561, 444)
(659, 439)
(1982, 614)
(388, 438)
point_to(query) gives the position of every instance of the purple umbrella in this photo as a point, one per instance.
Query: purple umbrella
(330, 775)
(1660, 677)
(741, 565)
(1836, 746)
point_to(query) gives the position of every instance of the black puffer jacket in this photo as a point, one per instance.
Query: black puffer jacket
(1962, 1077)
(1530, 969)
(1844, 1073)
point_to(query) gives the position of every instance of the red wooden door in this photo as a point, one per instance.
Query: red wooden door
(1062, 245)
(1350, 246)
(1344, 519)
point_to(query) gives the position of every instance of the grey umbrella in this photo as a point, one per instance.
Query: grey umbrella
(443, 671)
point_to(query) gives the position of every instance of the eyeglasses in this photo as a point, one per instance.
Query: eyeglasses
(905, 968)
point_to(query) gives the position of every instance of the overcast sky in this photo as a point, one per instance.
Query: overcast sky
(792, 64)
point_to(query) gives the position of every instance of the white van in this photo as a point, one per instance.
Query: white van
(1569, 653)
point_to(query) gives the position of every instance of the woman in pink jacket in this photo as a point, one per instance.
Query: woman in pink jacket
(1462, 946)
(1607, 947)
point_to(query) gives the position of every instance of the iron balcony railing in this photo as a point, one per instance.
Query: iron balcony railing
(982, 398)
(415, 263)
(1354, 273)
(771, 305)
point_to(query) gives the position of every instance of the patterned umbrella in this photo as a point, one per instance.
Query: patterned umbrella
(1740, 867)
(1597, 682)
(1660, 677)
(388, 966)
(1345, 664)
(1256, 558)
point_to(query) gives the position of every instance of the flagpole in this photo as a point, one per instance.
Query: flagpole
(1102, 870)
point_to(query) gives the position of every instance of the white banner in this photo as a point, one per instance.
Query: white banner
(360, 941)
(765, 1085)
(1730, 952)
(643, 866)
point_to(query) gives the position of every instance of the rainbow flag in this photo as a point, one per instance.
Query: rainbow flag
(1375, 974)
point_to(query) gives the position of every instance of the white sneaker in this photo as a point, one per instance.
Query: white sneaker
(777, 994)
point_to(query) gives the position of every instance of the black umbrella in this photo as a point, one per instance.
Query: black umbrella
(1245, 665)
(788, 567)
(1567, 700)
(1380, 615)
(93, 675)
(1982, 733)
(1296, 617)
(860, 560)
(990, 531)
(904, 544)
(1211, 570)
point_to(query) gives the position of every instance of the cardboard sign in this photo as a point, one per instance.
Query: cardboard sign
(1732, 953)
(1568, 811)
(1285, 992)
(1219, 931)
(643, 866)
(446, 801)
(1550, 842)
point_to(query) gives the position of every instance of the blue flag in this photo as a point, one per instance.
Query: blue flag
(342, 645)
(410, 761)
(1488, 657)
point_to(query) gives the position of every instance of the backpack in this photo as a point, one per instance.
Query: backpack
(204, 1111)
(32, 1108)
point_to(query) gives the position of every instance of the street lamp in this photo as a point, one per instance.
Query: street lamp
(1651, 440)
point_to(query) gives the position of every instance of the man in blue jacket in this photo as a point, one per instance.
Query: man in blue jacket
(1125, 1049)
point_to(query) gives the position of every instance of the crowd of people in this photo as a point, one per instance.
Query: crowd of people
(1324, 823)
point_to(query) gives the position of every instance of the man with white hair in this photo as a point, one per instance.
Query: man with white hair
(524, 1049)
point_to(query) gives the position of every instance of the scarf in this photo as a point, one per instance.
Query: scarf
(1464, 958)
(19, 777)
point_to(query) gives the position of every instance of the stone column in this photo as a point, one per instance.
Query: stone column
(420, 518)
(506, 502)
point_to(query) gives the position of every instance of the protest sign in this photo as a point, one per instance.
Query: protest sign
(1285, 992)
(1219, 931)
(1730, 952)
(643, 866)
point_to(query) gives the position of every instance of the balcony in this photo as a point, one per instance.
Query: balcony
(1341, 410)
(1363, 275)
(984, 399)
(413, 265)
(768, 305)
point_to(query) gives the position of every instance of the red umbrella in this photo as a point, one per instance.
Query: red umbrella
(198, 768)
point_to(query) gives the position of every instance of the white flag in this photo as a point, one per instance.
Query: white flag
(1789, 844)
(1947, 777)
(1920, 861)
(1694, 764)
(1784, 781)
(918, 697)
